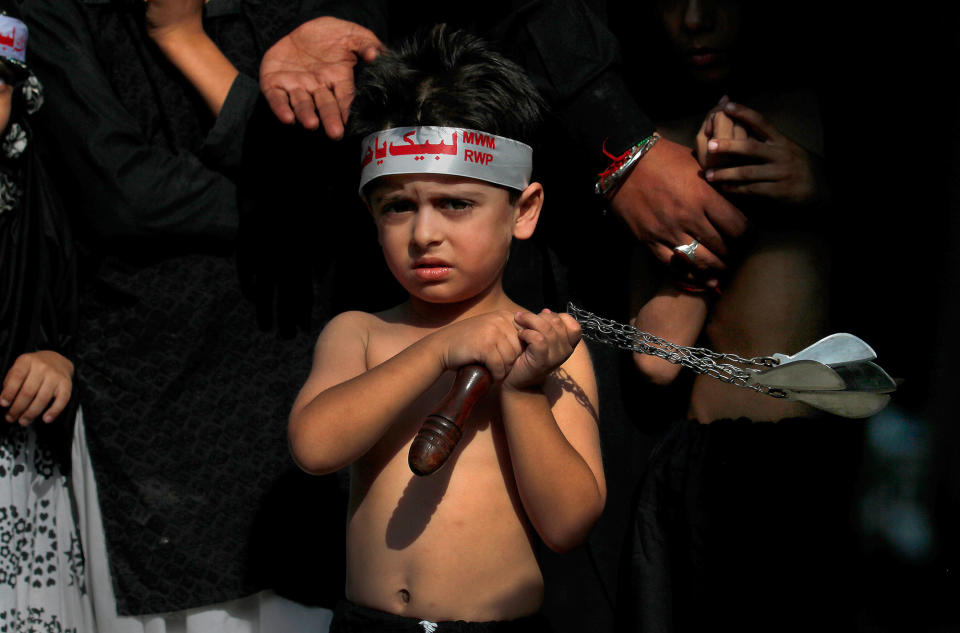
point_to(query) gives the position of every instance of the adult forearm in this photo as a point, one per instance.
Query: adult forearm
(559, 491)
(343, 422)
(201, 62)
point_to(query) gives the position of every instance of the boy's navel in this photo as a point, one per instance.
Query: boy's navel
(404, 596)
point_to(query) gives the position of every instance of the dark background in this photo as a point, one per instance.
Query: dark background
(892, 142)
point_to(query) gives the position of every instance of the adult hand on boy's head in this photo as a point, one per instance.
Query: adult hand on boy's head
(548, 340)
(307, 76)
(666, 203)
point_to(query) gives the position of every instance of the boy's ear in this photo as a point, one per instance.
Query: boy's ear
(528, 211)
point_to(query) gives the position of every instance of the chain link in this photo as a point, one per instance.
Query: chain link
(698, 359)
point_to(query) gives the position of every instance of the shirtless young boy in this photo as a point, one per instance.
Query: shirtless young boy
(459, 544)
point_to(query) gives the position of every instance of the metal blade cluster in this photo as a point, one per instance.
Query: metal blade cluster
(835, 374)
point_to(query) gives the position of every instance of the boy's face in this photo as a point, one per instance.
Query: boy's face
(446, 238)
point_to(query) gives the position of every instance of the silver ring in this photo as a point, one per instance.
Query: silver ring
(688, 250)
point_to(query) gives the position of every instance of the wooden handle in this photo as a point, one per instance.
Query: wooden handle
(442, 429)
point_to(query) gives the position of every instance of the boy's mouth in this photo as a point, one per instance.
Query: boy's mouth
(430, 262)
(431, 269)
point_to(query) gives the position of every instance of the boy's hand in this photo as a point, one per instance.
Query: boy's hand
(490, 339)
(548, 339)
(765, 164)
(32, 383)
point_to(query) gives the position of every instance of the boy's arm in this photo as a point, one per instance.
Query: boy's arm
(344, 408)
(551, 429)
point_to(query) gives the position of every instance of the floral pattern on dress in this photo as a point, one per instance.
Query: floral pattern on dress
(41, 560)
(31, 620)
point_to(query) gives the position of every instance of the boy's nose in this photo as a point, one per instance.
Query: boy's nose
(426, 228)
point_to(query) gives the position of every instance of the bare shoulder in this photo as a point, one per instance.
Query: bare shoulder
(340, 350)
(346, 326)
(349, 320)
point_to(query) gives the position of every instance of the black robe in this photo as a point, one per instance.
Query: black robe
(38, 289)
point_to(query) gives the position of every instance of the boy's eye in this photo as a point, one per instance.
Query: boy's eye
(455, 204)
(398, 206)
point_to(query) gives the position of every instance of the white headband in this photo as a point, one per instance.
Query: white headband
(13, 38)
(446, 150)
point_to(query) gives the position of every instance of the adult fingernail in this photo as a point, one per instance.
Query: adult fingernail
(730, 107)
(709, 174)
(8, 418)
(4, 403)
(724, 99)
(713, 145)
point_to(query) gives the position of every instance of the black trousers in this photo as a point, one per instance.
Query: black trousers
(353, 618)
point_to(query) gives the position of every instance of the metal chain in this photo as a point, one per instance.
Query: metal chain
(698, 359)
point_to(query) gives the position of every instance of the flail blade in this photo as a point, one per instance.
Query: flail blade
(806, 375)
(836, 349)
(866, 376)
(847, 404)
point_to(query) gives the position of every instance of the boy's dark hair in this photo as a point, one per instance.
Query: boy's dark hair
(450, 78)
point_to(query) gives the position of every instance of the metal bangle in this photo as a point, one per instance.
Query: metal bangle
(606, 186)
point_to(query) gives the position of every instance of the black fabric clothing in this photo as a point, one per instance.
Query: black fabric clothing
(38, 287)
(353, 618)
(147, 159)
(37, 277)
(186, 399)
(575, 62)
(745, 526)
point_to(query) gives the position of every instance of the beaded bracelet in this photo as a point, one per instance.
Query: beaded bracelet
(609, 180)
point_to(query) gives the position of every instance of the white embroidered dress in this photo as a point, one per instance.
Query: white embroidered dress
(42, 586)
